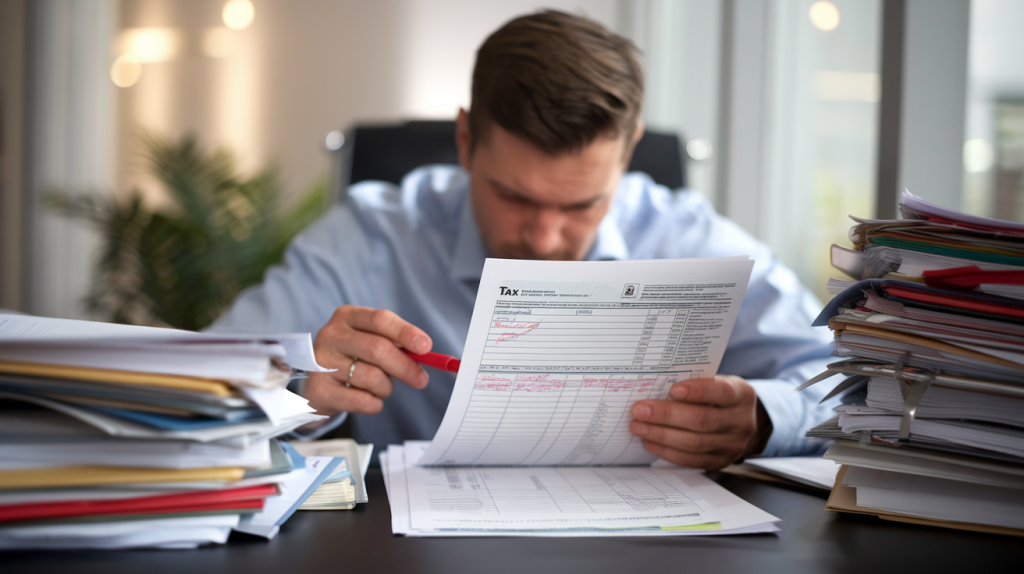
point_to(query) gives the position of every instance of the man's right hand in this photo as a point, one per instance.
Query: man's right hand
(370, 338)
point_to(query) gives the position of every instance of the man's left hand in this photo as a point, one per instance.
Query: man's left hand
(705, 423)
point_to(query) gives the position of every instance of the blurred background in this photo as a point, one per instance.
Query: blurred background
(116, 114)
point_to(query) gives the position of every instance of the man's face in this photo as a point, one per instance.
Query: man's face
(531, 205)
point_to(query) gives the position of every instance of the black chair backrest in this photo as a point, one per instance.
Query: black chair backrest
(389, 152)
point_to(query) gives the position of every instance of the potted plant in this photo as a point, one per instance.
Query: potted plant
(183, 264)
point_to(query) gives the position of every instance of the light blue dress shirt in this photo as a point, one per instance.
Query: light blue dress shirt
(415, 249)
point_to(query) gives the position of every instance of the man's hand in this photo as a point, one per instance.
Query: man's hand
(706, 423)
(372, 336)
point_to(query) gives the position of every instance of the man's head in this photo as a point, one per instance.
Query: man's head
(555, 115)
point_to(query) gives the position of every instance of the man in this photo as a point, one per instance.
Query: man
(555, 115)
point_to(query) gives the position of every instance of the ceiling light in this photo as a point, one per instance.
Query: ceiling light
(126, 71)
(824, 15)
(238, 14)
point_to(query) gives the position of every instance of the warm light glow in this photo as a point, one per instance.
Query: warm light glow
(149, 45)
(978, 156)
(847, 86)
(219, 42)
(824, 15)
(126, 71)
(238, 14)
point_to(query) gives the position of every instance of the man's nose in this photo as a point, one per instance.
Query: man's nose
(543, 232)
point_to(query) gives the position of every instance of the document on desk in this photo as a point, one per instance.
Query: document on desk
(658, 500)
(533, 498)
(558, 352)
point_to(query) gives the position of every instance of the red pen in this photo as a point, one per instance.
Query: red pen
(436, 360)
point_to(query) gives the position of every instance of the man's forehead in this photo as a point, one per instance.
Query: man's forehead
(556, 196)
(515, 167)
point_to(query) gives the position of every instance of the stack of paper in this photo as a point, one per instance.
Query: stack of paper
(115, 436)
(938, 246)
(307, 474)
(343, 489)
(536, 441)
(932, 336)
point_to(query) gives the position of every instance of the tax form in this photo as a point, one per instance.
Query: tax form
(558, 352)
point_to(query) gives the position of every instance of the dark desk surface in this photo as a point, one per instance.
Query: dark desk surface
(360, 541)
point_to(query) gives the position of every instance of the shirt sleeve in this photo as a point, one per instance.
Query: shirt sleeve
(302, 292)
(775, 348)
(773, 344)
(332, 262)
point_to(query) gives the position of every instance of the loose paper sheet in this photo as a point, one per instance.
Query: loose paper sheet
(514, 501)
(237, 357)
(535, 498)
(808, 470)
(558, 352)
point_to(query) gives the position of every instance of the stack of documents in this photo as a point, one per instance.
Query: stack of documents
(932, 336)
(937, 246)
(536, 441)
(343, 489)
(115, 436)
(307, 474)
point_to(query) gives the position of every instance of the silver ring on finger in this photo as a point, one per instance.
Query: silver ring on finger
(351, 372)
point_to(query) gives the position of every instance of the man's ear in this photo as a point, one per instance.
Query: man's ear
(633, 140)
(462, 138)
(637, 134)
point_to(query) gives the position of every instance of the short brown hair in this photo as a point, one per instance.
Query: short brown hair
(557, 81)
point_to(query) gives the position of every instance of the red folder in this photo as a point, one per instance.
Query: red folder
(953, 301)
(970, 277)
(204, 500)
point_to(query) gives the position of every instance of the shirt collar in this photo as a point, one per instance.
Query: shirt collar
(470, 253)
(609, 243)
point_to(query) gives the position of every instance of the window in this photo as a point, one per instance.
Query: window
(994, 134)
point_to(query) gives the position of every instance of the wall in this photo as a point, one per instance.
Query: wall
(270, 93)
(304, 68)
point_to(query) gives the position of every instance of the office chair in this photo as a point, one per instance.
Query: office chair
(387, 152)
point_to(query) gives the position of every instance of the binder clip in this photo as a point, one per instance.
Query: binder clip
(912, 387)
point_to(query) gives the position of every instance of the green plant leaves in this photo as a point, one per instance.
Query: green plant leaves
(184, 264)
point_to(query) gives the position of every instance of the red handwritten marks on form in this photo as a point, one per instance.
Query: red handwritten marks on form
(634, 338)
(555, 418)
(516, 330)
(540, 383)
(492, 382)
(645, 383)
(557, 382)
